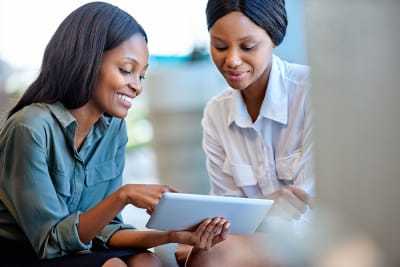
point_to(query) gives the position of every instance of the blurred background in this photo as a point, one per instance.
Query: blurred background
(352, 47)
(164, 127)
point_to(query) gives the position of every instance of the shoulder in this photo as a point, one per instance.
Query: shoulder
(219, 104)
(29, 124)
(34, 117)
(293, 72)
(296, 79)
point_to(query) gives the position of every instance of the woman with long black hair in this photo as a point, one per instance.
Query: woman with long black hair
(62, 153)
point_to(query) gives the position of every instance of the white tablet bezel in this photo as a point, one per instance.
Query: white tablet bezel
(177, 211)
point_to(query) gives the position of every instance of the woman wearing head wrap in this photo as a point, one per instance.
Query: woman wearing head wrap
(256, 134)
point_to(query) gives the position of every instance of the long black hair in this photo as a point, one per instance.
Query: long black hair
(73, 57)
(268, 14)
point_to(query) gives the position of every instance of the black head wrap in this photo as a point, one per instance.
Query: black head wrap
(268, 14)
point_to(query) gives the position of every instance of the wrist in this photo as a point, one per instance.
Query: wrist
(172, 237)
(122, 195)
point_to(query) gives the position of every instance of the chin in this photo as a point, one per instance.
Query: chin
(121, 117)
(238, 86)
(119, 114)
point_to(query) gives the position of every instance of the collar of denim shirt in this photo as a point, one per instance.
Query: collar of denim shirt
(69, 123)
(64, 116)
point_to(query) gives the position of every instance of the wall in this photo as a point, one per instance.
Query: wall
(354, 54)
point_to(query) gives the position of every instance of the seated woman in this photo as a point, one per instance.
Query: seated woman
(62, 153)
(256, 135)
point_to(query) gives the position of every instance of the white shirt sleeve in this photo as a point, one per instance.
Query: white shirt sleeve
(306, 178)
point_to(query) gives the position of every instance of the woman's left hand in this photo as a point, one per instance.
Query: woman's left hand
(206, 235)
(290, 202)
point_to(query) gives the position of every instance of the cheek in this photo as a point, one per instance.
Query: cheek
(262, 60)
(108, 84)
(114, 81)
(217, 58)
(114, 77)
(260, 65)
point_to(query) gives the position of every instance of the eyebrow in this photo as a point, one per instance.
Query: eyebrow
(136, 61)
(240, 39)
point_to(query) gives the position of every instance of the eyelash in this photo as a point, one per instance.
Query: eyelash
(220, 48)
(243, 48)
(248, 48)
(124, 72)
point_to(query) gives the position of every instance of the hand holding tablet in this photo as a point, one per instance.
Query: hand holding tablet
(204, 236)
(176, 212)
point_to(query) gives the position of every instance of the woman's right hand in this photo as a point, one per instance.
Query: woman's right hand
(206, 235)
(145, 196)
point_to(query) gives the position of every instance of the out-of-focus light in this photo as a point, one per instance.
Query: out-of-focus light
(174, 27)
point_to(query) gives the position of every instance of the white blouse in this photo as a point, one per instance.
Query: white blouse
(256, 159)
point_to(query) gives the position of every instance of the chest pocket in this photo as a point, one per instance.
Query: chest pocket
(247, 175)
(102, 172)
(243, 174)
(288, 168)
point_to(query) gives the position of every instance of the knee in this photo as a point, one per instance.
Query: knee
(144, 260)
(114, 262)
(199, 261)
(210, 258)
(181, 254)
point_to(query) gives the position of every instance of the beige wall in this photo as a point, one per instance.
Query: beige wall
(354, 52)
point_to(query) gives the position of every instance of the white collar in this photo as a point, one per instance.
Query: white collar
(275, 103)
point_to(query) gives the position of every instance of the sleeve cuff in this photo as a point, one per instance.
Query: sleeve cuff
(68, 234)
(105, 234)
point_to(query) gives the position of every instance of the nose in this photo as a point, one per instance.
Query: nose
(135, 85)
(233, 59)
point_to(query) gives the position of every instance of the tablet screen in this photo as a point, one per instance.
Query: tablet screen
(177, 211)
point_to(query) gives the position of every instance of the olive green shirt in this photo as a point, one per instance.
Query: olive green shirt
(45, 183)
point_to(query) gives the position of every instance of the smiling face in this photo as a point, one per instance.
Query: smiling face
(241, 50)
(120, 79)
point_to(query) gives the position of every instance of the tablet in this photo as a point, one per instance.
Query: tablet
(177, 211)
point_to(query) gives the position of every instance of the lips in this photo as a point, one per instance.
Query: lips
(235, 75)
(125, 99)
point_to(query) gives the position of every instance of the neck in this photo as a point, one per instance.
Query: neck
(254, 94)
(86, 116)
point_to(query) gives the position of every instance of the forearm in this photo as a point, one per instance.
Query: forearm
(140, 239)
(94, 220)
